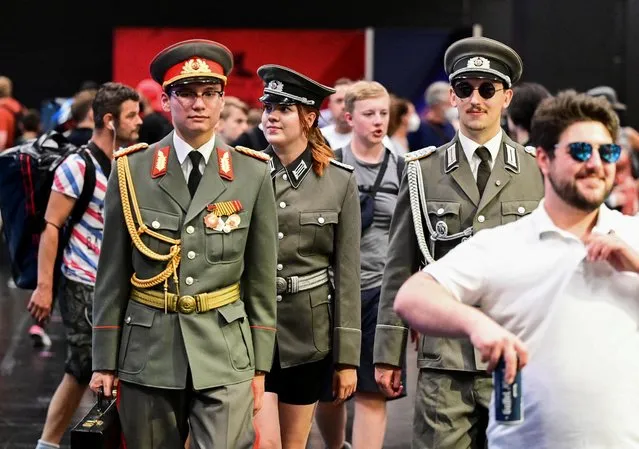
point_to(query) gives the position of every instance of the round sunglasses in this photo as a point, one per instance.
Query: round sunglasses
(464, 89)
(582, 151)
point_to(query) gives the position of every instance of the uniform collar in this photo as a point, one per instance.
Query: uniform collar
(182, 149)
(296, 170)
(544, 224)
(469, 146)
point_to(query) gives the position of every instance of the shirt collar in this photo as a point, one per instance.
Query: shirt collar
(182, 149)
(545, 225)
(296, 170)
(469, 146)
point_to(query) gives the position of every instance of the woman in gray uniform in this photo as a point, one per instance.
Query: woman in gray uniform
(318, 316)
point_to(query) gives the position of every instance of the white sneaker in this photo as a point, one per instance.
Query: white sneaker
(39, 337)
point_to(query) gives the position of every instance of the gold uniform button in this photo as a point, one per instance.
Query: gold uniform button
(155, 224)
(521, 209)
(282, 204)
(191, 255)
(440, 211)
(320, 220)
(190, 229)
(280, 235)
(128, 320)
(481, 219)
(280, 267)
(189, 280)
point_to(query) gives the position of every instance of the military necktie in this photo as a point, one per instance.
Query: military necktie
(195, 176)
(483, 172)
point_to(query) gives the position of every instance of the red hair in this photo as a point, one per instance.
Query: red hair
(320, 151)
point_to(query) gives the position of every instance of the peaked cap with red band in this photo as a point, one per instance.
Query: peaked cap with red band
(192, 61)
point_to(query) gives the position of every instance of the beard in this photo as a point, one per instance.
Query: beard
(569, 192)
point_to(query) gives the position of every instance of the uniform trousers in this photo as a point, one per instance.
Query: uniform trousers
(159, 418)
(451, 409)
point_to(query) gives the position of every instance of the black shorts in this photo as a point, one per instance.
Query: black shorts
(366, 372)
(300, 384)
(76, 306)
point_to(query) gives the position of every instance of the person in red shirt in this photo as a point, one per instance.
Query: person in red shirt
(10, 111)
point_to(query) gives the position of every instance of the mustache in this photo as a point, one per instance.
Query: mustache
(588, 172)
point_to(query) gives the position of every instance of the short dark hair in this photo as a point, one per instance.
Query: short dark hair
(31, 121)
(526, 98)
(109, 100)
(82, 103)
(555, 114)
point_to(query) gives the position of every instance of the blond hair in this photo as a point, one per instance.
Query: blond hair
(233, 102)
(362, 90)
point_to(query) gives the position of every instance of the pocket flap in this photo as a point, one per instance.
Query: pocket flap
(233, 311)
(518, 207)
(319, 218)
(441, 208)
(139, 315)
(156, 220)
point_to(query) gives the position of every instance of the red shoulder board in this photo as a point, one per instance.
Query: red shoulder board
(255, 154)
(225, 164)
(130, 149)
(160, 162)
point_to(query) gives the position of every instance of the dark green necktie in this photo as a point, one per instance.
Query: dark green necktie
(483, 172)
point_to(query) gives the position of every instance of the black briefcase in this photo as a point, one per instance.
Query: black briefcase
(100, 428)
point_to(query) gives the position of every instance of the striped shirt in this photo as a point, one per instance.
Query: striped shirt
(80, 259)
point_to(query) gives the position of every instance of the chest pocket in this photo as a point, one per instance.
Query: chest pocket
(317, 230)
(444, 217)
(163, 223)
(228, 246)
(514, 210)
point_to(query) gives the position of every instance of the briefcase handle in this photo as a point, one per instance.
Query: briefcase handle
(104, 402)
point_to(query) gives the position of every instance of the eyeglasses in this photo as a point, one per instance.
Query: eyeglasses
(464, 89)
(582, 151)
(188, 97)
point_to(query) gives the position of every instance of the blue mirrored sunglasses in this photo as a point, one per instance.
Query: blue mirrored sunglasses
(582, 151)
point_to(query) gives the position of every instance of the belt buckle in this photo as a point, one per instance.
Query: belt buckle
(282, 285)
(186, 304)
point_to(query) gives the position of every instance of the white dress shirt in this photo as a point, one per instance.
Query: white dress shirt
(578, 319)
(182, 150)
(469, 146)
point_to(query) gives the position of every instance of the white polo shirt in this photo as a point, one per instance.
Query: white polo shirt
(579, 320)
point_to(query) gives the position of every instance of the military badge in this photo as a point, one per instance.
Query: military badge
(225, 164)
(478, 62)
(160, 162)
(228, 209)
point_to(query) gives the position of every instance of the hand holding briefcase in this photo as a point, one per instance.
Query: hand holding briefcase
(100, 428)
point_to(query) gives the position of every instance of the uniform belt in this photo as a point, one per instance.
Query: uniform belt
(200, 303)
(294, 284)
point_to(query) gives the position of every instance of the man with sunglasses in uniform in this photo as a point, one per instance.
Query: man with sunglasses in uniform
(481, 179)
(558, 294)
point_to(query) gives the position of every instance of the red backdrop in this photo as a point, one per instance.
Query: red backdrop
(324, 55)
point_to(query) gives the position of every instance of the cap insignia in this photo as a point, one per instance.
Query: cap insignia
(478, 62)
(194, 66)
(275, 85)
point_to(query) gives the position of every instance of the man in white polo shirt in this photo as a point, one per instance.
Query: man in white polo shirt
(558, 289)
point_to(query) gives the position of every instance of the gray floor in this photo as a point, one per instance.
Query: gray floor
(29, 377)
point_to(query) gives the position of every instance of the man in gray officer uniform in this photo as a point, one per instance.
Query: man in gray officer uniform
(480, 179)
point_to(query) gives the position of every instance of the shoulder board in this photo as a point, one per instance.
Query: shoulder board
(342, 165)
(254, 154)
(531, 150)
(130, 149)
(419, 154)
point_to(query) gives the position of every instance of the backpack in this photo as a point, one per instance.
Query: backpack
(26, 178)
(367, 194)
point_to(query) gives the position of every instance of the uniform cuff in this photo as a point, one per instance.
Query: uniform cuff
(346, 346)
(263, 347)
(390, 343)
(105, 344)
